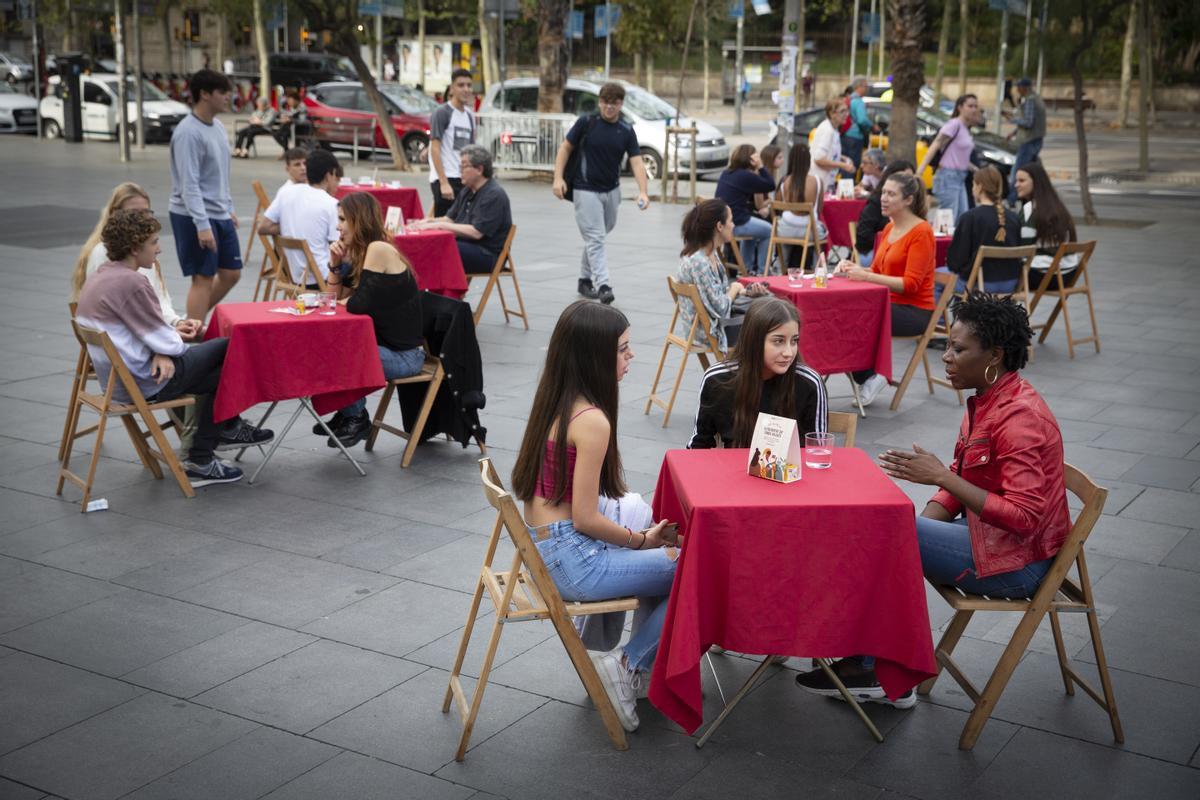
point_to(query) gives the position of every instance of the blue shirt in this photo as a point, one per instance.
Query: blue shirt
(738, 187)
(860, 126)
(607, 145)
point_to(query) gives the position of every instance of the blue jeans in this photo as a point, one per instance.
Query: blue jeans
(587, 569)
(993, 287)
(1026, 153)
(396, 364)
(946, 558)
(754, 250)
(852, 148)
(950, 189)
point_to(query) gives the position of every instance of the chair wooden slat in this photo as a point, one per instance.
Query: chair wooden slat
(1063, 286)
(938, 327)
(504, 267)
(701, 323)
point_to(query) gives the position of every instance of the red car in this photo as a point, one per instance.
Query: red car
(338, 111)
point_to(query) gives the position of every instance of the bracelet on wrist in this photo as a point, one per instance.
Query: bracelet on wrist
(643, 542)
(629, 538)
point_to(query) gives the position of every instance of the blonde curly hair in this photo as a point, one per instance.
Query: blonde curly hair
(126, 231)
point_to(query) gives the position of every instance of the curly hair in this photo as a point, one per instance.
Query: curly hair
(126, 231)
(997, 321)
(123, 193)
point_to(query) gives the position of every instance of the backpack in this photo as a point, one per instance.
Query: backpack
(571, 171)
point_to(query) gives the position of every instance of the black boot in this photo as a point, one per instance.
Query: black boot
(335, 422)
(586, 289)
(353, 431)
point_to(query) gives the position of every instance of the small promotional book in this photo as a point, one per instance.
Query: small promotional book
(393, 223)
(775, 452)
(845, 189)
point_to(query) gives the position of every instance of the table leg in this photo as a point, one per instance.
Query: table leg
(737, 698)
(261, 422)
(849, 698)
(275, 444)
(307, 403)
(862, 412)
(713, 667)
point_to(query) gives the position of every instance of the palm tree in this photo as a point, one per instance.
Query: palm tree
(908, 74)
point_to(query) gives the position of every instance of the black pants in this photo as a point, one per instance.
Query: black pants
(246, 135)
(198, 371)
(440, 204)
(475, 260)
(906, 321)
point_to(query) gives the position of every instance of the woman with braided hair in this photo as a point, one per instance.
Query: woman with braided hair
(987, 224)
(999, 515)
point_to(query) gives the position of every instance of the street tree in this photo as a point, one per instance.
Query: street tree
(552, 54)
(1127, 67)
(337, 21)
(943, 44)
(907, 18)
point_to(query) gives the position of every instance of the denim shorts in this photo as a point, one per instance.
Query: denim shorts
(196, 260)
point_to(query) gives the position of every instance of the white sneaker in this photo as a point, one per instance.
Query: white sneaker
(619, 684)
(870, 389)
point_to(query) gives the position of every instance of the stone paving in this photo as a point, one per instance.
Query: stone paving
(292, 639)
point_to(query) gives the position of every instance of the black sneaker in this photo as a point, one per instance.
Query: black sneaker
(335, 422)
(215, 471)
(353, 431)
(605, 294)
(586, 289)
(244, 435)
(859, 680)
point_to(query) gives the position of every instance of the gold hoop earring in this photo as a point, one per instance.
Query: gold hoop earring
(995, 375)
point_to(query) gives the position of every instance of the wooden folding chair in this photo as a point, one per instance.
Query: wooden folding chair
(1058, 593)
(432, 373)
(525, 592)
(977, 280)
(106, 408)
(1067, 285)
(938, 327)
(686, 343)
(845, 424)
(283, 270)
(84, 371)
(775, 245)
(504, 267)
(266, 269)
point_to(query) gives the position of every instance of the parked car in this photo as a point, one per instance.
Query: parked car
(647, 113)
(297, 70)
(18, 111)
(101, 114)
(338, 110)
(928, 97)
(14, 70)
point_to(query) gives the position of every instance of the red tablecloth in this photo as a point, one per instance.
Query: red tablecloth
(408, 199)
(844, 327)
(837, 216)
(824, 567)
(941, 242)
(333, 359)
(435, 260)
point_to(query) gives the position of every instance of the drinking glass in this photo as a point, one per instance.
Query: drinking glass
(327, 303)
(818, 450)
(795, 274)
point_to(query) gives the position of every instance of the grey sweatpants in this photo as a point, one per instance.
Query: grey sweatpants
(596, 215)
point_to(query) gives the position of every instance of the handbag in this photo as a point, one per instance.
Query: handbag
(937, 157)
(571, 171)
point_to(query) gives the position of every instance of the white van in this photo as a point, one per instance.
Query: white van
(646, 112)
(100, 113)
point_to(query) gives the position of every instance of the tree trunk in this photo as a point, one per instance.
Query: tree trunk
(220, 42)
(1143, 85)
(165, 11)
(552, 55)
(637, 68)
(485, 48)
(1155, 35)
(650, 72)
(704, 10)
(943, 45)
(421, 43)
(908, 75)
(260, 47)
(687, 41)
(347, 45)
(1083, 43)
(1127, 67)
(964, 37)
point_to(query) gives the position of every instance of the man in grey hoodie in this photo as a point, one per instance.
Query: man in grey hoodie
(201, 206)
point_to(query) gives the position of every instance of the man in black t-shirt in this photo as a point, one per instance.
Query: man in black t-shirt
(481, 215)
(604, 141)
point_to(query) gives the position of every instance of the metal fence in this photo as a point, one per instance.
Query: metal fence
(523, 141)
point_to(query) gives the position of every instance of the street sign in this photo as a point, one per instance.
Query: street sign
(762, 7)
(870, 28)
(614, 16)
(736, 9)
(575, 25)
(1014, 6)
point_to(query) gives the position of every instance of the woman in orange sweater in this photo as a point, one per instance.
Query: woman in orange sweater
(904, 262)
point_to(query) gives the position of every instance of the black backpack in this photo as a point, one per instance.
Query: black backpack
(571, 171)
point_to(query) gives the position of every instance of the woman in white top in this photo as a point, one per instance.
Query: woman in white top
(827, 144)
(800, 186)
(1045, 221)
(129, 197)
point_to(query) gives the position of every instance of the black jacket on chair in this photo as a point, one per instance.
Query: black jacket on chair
(449, 331)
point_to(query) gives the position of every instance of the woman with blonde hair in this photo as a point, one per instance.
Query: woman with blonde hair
(373, 278)
(129, 197)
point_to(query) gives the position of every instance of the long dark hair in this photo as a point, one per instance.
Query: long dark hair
(361, 210)
(1051, 219)
(581, 362)
(799, 162)
(899, 165)
(764, 315)
(740, 157)
(700, 224)
(958, 104)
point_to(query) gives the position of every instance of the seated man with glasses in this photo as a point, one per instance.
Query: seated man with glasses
(480, 216)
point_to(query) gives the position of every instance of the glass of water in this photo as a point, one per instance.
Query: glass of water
(818, 450)
(795, 274)
(327, 303)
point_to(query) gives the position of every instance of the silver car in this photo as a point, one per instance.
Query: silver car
(14, 70)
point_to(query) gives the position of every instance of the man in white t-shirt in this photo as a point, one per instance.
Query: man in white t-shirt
(308, 211)
(451, 128)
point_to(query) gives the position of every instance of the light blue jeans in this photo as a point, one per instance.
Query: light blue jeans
(396, 364)
(587, 569)
(946, 557)
(950, 189)
(754, 250)
(596, 215)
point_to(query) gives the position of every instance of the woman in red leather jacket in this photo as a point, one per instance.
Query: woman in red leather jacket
(1000, 513)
